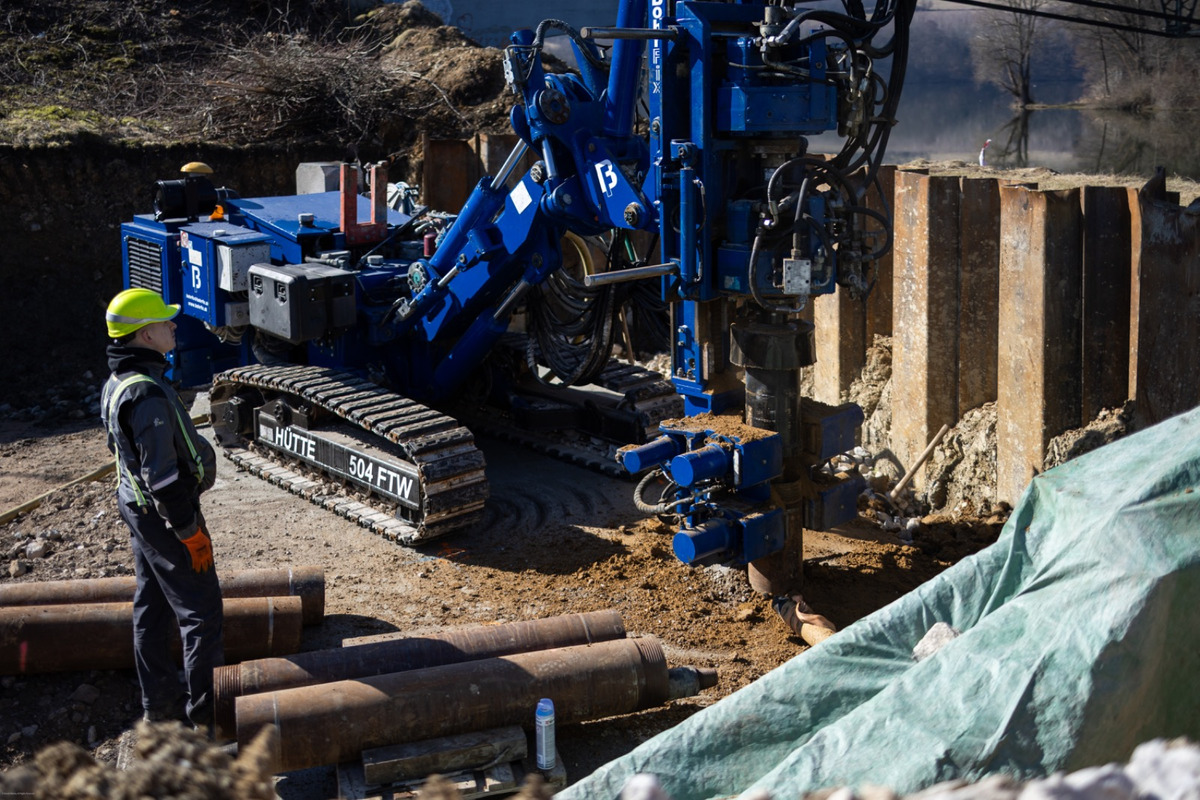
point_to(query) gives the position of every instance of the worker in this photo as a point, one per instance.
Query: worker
(163, 466)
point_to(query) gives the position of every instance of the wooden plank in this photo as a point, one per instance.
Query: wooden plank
(446, 754)
(499, 778)
(495, 781)
(556, 778)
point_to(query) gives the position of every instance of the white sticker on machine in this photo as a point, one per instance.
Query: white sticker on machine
(520, 198)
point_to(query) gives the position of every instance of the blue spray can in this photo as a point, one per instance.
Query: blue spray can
(544, 733)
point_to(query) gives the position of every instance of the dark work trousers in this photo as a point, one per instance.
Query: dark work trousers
(169, 594)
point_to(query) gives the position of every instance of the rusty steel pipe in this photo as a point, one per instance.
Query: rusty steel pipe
(333, 722)
(61, 638)
(400, 655)
(307, 583)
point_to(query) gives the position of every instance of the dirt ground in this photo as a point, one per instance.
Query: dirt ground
(556, 539)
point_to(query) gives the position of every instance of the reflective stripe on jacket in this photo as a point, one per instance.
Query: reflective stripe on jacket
(152, 435)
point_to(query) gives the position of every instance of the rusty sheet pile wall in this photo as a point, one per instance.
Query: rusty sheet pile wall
(1054, 305)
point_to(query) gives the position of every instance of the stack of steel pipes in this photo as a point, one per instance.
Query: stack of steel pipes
(59, 626)
(331, 705)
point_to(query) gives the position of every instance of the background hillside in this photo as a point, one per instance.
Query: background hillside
(302, 73)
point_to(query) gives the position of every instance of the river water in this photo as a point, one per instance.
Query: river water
(951, 121)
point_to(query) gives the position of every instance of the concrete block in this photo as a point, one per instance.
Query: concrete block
(925, 312)
(1038, 374)
(1168, 308)
(318, 176)
(1106, 280)
(979, 292)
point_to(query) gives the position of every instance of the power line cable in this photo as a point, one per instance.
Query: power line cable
(1177, 27)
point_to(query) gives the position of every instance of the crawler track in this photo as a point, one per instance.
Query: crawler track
(639, 395)
(451, 486)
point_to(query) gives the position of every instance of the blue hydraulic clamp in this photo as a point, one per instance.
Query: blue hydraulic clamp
(719, 478)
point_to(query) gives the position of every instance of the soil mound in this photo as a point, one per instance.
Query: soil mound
(244, 74)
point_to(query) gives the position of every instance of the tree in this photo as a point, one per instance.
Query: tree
(1136, 69)
(1003, 46)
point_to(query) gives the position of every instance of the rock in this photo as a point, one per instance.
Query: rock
(16, 569)
(934, 639)
(28, 731)
(14, 738)
(1166, 769)
(86, 694)
(745, 612)
(643, 786)
(37, 549)
(92, 736)
(1108, 782)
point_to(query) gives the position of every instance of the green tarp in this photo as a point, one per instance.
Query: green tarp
(1080, 638)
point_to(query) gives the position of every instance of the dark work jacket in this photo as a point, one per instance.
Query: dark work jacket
(163, 462)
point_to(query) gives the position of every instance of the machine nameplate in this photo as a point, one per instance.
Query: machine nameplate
(395, 480)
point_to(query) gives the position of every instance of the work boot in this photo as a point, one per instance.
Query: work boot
(165, 715)
(201, 719)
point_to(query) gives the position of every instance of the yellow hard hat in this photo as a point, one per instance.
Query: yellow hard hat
(136, 308)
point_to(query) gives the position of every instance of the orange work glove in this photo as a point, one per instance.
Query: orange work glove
(200, 548)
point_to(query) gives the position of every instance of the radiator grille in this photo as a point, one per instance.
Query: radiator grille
(145, 265)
